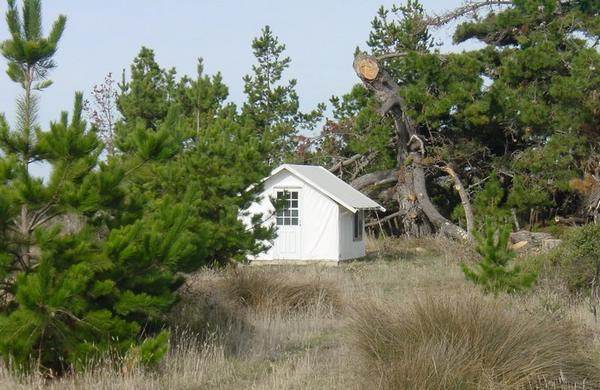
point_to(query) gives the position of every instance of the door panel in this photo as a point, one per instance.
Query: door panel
(288, 244)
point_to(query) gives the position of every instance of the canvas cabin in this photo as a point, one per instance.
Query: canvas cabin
(322, 218)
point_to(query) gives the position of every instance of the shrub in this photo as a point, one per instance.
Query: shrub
(466, 343)
(579, 258)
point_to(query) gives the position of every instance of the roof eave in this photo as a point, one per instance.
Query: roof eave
(332, 196)
(377, 208)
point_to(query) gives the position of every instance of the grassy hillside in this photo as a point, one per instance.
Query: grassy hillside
(406, 317)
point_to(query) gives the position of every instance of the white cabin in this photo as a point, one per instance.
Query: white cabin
(322, 218)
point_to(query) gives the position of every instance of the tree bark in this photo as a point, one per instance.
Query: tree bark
(464, 198)
(418, 214)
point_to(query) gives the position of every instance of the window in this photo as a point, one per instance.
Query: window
(288, 214)
(358, 225)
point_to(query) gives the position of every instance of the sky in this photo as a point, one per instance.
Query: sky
(103, 36)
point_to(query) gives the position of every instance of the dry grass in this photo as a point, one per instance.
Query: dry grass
(286, 327)
(467, 342)
(439, 247)
(275, 288)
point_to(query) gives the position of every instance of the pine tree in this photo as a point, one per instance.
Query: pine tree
(146, 97)
(214, 165)
(87, 267)
(201, 98)
(494, 273)
(29, 55)
(272, 106)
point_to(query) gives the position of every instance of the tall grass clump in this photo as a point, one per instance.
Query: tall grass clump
(466, 342)
(267, 288)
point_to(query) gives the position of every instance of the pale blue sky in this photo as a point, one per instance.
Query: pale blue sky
(104, 36)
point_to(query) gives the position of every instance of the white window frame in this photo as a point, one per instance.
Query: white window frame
(290, 214)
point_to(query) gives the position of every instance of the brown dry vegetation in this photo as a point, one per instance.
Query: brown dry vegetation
(405, 318)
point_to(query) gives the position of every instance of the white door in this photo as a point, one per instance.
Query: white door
(288, 244)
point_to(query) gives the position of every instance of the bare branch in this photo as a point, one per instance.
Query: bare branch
(387, 218)
(468, 8)
(373, 178)
(464, 198)
(340, 164)
(390, 55)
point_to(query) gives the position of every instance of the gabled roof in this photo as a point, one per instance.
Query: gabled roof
(332, 186)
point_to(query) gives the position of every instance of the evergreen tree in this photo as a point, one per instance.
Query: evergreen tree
(543, 96)
(147, 96)
(91, 258)
(201, 98)
(525, 106)
(29, 56)
(272, 106)
(494, 273)
(215, 160)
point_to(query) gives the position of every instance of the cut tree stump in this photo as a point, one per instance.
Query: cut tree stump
(368, 68)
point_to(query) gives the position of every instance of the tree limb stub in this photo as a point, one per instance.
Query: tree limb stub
(367, 67)
(387, 92)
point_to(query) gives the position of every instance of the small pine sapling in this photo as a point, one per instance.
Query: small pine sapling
(494, 273)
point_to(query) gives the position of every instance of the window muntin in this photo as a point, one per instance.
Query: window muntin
(359, 220)
(288, 215)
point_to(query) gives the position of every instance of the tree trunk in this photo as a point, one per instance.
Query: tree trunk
(418, 214)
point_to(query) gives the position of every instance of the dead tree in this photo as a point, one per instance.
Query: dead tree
(418, 214)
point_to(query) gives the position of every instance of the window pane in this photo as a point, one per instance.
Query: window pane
(295, 204)
(295, 221)
(357, 226)
(279, 221)
(294, 213)
(294, 195)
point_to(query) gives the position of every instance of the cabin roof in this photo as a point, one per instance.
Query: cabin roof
(332, 186)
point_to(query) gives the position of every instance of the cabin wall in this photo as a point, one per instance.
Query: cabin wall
(318, 219)
(349, 249)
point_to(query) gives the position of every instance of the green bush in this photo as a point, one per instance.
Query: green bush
(578, 258)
